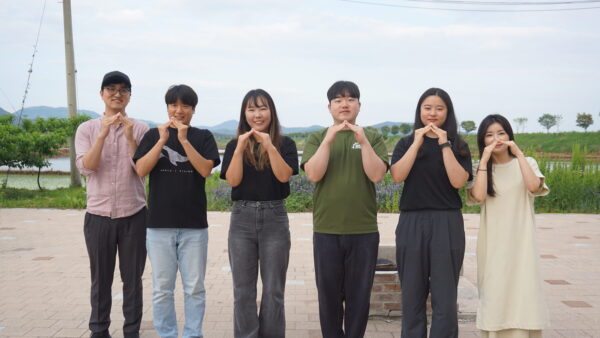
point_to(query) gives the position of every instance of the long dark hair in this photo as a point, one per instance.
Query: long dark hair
(257, 156)
(450, 125)
(483, 127)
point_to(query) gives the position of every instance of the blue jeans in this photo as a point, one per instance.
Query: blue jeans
(259, 236)
(170, 249)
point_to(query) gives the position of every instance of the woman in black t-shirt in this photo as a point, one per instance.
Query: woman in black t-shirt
(258, 165)
(433, 162)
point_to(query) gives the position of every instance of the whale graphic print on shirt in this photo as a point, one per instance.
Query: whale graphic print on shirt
(173, 156)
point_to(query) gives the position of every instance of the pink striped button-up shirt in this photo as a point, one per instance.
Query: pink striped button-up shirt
(114, 189)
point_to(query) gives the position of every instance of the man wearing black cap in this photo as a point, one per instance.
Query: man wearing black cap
(116, 205)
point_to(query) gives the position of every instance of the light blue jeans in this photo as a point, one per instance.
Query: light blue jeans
(170, 249)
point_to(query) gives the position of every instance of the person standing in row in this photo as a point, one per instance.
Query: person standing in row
(511, 303)
(433, 162)
(115, 218)
(345, 161)
(178, 158)
(258, 164)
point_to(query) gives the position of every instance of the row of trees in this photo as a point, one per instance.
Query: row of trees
(547, 121)
(403, 129)
(33, 142)
(583, 120)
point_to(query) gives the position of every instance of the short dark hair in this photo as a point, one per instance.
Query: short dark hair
(183, 93)
(343, 89)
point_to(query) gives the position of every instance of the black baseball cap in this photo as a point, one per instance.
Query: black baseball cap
(115, 77)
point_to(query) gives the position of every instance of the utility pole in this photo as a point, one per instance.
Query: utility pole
(71, 91)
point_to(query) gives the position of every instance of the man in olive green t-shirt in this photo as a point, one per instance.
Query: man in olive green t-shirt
(344, 161)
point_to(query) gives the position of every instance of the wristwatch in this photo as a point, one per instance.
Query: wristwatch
(446, 144)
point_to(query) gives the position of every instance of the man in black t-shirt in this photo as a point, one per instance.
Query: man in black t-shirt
(178, 158)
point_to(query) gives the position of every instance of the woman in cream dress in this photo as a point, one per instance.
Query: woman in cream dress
(511, 303)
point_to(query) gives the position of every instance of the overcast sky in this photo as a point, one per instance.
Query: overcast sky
(515, 64)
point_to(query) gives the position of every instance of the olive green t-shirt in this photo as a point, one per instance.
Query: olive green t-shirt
(344, 199)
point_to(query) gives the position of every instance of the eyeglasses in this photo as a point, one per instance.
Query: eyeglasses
(113, 90)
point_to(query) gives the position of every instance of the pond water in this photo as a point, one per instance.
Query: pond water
(61, 164)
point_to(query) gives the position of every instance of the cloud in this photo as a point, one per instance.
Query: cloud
(123, 15)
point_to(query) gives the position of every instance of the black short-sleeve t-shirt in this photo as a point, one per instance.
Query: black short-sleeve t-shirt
(261, 185)
(427, 186)
(177, 196)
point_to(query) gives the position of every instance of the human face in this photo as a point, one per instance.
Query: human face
(496, 132)
(180, 112)
(433, 110)
(344, 108)
(258, 115)
(116, 97)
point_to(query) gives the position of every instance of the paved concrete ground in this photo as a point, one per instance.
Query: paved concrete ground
(44, 277)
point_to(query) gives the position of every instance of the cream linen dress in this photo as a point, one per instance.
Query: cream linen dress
(511, 303)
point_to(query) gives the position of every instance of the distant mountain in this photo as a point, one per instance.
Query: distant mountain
(389, 124)
(60, 112)
(223, 129)
(150, 124)
(45, 112)
(227, 125)
(227, 128)
(292, 130)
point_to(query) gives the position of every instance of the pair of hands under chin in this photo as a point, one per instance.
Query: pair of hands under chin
(359, 132)
(163, 130)
(441, 134)
(116, 120)
(260, 137)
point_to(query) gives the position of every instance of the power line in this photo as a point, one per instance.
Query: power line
(7, 99)
(470, 9)
(30, 70)
(508, 3)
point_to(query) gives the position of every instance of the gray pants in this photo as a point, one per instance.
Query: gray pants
(430, 245)
(259, 235)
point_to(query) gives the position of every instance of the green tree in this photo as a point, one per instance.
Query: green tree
(521, 122)
(42, 139)
(385, 130)
(468, 126)
(558, 118)
(584, 120)
(9, 134)
(395, 129)
(373, 129)
(35, 141)
(405, 128)
(547, 121)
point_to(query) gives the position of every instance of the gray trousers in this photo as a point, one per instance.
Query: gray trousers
(430, 246)
(259, 236)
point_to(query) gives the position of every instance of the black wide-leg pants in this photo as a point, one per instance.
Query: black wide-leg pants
(430, 246)
(104, 237)
(344, 270)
